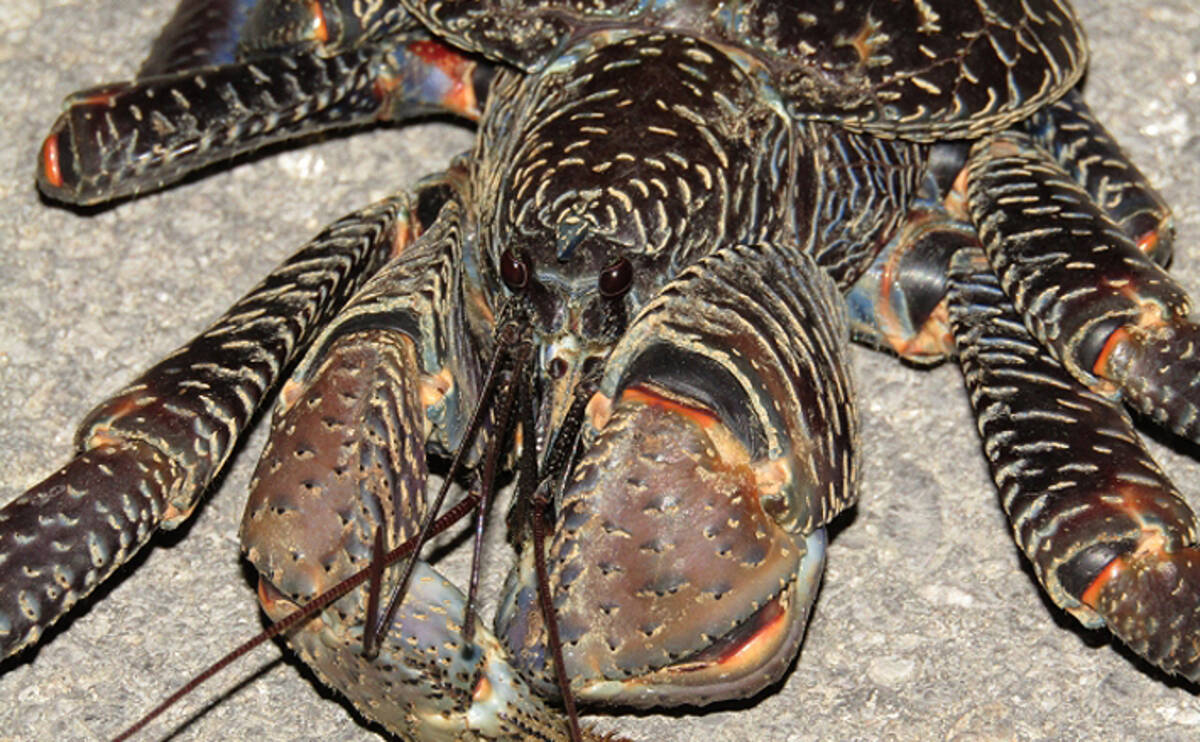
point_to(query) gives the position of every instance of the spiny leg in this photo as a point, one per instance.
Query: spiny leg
(1107, 533)
(690, 538)
(1072, 232)
(1073, 229)
(1105, 310)
(150, 451)
(126, 138)
(1069, 132)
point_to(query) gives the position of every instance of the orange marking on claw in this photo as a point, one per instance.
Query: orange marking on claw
(50, 166)
(1148, 242)
(598, 410)
(290, 393)
(278, 607)
(956, 200)
(1091, 596)
(888, 320)
(434, 387)
(647, 396)
(172, 514)
(748, 655)
(320, 31)
(382, 89)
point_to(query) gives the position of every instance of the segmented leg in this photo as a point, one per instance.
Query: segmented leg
(150, 451)
(1068, 131)
(690, 537)
(899, 303)
(1110, 538)
(126, 138)
(204, 33)
(1106, 532)
(1107, 312)
(1073, 231)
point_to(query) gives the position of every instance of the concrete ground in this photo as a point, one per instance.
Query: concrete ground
(928, 626)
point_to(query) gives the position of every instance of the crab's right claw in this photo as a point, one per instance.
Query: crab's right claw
(690, 539)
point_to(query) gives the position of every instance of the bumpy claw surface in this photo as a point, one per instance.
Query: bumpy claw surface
(347, 457)
(671, 583)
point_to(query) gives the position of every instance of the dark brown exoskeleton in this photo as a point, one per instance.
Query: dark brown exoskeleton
(643, 276)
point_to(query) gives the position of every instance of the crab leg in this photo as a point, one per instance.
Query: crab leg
(899, 303)
(1107, 533)
(126, 138)
(1068, 131)
(149, 452)
(690, 537)
(1048, 241)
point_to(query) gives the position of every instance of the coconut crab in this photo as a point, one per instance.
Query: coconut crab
(131, 220)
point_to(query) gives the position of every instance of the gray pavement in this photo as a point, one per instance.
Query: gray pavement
(928, 626)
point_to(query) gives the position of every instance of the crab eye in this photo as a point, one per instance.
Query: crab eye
(514, 270)
(616, 279)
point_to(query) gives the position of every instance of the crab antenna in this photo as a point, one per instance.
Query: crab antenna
(374, 588)
(452, 516)
(507, 337)
(519, 380)
(530, 490)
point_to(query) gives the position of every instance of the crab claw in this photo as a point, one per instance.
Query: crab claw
(346, 461)
(690, 537)
(673, 584)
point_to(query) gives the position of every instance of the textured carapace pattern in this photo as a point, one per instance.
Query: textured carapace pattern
(923, 69)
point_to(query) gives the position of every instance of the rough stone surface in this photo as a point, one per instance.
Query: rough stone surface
(928, 626)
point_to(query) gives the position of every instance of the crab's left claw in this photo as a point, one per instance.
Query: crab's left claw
(690, 538)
